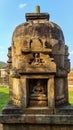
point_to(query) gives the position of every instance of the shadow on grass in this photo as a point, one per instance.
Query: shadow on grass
(3, 99)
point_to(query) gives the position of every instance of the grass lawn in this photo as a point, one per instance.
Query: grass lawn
(71, 97)
(4, 95)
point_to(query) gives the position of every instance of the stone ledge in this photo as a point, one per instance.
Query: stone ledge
(35, 16)
(37, 119)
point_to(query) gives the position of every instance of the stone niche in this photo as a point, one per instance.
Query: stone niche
(38, 70)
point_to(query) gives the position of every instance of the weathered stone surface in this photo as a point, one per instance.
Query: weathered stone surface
(31, 122)
(38, 70)
(38, 47)
(37, 119)
(31, 127)
(1, 127)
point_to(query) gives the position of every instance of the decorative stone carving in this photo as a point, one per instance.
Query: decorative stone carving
(39, 62)
(39, 68)
(38, 93)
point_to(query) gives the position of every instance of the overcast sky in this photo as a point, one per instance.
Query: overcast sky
(12, 13)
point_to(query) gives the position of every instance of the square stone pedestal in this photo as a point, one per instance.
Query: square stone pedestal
(61, 119)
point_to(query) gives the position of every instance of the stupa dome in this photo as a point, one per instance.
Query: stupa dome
(37, 25)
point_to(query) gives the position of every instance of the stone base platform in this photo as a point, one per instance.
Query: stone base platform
(60, 118)
(36, 122)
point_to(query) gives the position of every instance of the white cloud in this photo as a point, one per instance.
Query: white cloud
(22, 5)
(71, 52)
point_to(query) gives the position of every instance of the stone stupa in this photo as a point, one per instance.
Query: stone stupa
(38, 70)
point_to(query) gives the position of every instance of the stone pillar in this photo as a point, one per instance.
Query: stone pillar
(37, 9)
(50, 86)
(23, 89)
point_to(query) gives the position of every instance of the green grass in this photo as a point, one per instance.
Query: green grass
(71, 97)
(4, 95)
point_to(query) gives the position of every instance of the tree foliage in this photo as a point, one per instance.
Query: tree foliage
(2, 64)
